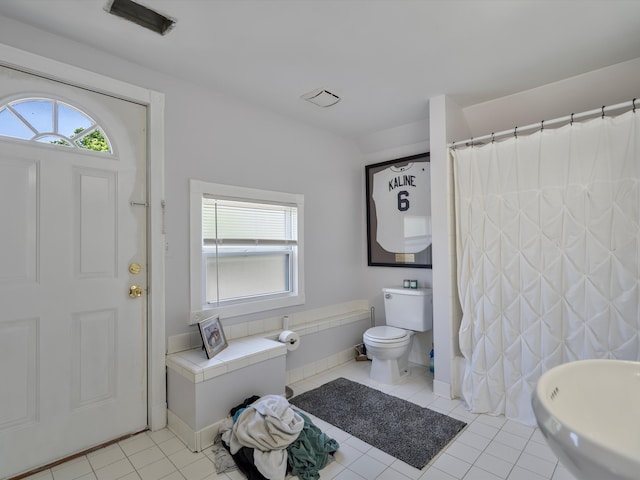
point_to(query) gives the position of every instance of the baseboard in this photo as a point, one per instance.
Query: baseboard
(158, 417)
(442, 389)
(196, 441)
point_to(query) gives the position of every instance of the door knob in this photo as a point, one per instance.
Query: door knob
(135, 291)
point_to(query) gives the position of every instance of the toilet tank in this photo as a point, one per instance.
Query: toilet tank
(409, 308)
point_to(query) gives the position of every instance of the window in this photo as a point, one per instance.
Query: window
(45, 120)
(246, 249)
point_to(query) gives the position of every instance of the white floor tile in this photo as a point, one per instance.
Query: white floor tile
(146, 457)
(347, 474)
(105, 456)
(391, 474)
(198, 470)
(562, 473)
(406, 470)
(500, 468)
(171, 446)
(473, 440)
(463, 452)
(519, 473)
(476, 473)
(157, 470)
(518, 429)
(511, 440)
(72, 470)
(541, 451)
(381, 456)
(452, 465)
(131, 476)
(346, 455)
(496, 421)
(358, 444)
(489, 448)
(541, 467)
(504, 452)
(88, 476)
(184, 457)
(482, 429)
(331, 470)
(136, 444)
(160, 436)
(115, 470)
(367, 467)
(436, 474)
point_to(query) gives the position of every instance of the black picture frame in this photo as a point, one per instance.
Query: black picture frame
(388, 243)
(213, 338)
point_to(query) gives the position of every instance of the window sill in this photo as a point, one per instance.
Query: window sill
(231, 311)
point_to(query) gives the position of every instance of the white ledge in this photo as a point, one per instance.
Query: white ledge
(196, 367)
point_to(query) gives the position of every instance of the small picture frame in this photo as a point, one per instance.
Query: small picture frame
(212, 335)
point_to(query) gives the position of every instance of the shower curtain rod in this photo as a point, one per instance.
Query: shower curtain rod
(540, 125)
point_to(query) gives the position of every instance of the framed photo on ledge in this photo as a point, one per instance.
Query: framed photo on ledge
(212, 335)
(399, 212)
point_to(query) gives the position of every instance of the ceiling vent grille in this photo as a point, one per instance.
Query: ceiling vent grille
(141, 15)
(321, 97)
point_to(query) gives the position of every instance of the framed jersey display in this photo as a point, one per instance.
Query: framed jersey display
(399, 212)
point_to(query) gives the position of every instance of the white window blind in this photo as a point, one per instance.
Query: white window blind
(233, 222)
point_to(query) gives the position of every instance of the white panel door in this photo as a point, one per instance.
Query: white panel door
(72, 340)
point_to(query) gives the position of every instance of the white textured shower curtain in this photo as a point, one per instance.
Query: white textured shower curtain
(548, 251)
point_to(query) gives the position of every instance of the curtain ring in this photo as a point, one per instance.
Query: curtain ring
(603, 111)
(634, 105)
(571, 119)
(515, 132)
(493, 139)
(542, 125)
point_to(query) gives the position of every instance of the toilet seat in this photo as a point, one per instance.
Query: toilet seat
(386, 334)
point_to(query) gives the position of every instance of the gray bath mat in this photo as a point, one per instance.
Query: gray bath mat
(402, 429)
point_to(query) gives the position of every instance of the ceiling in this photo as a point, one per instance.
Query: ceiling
(385, 58)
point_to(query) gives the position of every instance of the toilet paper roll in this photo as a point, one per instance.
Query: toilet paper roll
(291, 338)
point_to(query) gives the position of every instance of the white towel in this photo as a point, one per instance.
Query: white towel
(269, 426)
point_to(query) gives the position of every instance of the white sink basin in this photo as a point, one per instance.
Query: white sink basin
(589, 412)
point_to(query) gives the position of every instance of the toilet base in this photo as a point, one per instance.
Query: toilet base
(389, 372)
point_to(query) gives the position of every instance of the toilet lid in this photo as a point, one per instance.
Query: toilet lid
(386, 333)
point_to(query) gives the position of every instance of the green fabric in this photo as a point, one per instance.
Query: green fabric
(309, 453)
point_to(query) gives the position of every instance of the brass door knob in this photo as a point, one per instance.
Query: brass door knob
(135, 291)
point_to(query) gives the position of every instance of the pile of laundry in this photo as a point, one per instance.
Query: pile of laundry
(266, 439)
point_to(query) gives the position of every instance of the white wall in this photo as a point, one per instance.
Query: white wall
(607, 86)
(217, 138)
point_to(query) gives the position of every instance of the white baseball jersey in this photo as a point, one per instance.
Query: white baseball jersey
(403, 207)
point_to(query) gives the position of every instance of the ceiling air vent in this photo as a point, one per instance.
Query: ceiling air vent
(321, 97)
(141, 15)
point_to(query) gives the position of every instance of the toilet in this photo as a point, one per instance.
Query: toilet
(407, 310)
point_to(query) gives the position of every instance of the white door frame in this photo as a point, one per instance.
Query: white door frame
(154, 102)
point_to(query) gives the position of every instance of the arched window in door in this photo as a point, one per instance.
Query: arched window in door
(51, 121)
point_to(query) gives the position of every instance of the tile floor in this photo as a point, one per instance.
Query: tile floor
(489, 448)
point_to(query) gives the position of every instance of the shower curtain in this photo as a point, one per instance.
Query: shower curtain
(548, 251)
